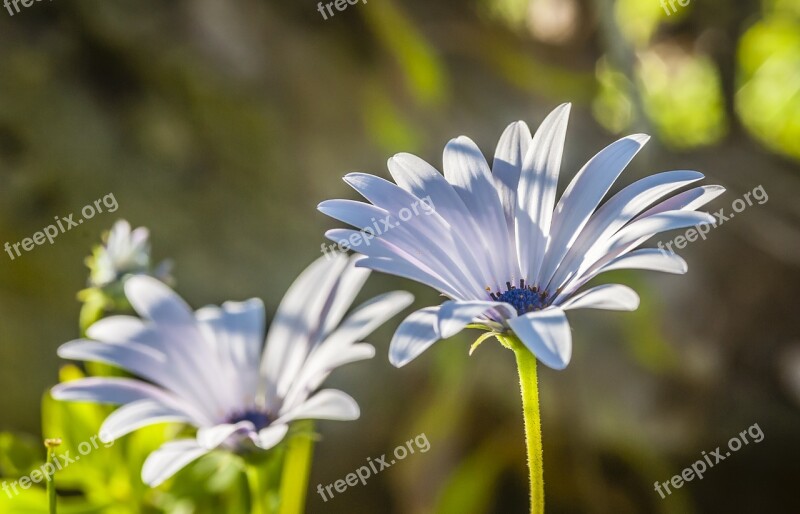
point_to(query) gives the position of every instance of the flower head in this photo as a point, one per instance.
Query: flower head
(212, 370)
(123, 252)
(499, 246)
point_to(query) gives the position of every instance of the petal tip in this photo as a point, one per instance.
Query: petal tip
(396, 361)
(57, 392)
(403, 298)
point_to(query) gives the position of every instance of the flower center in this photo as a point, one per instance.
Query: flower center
(524, 298)
(256, 417)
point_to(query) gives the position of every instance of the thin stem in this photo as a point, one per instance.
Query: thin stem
(296, 469)
(51, 445)
(259, 500)
(526, 365)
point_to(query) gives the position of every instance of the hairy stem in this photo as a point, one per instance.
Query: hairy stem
(526, 366)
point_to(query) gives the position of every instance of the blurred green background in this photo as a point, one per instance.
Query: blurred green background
(221, 125)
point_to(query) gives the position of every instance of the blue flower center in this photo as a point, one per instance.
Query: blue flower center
(524, 298)
(256, 417)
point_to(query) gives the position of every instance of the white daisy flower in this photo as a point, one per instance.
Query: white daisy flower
(507, 255)
(212, 370)
(123, 252)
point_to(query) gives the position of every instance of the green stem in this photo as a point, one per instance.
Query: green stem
(296, 469)
(259, 499)
(526, 365)
(51, 445)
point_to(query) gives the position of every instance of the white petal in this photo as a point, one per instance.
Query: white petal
(136, 415)
(466, 168)
(139, 237)
(428, 245)
(424, 181)
(407, 269)
(689, 200)
(631, 236)
(176, 334)
(120, 230)
(645, 228)
(236, 330)
(631, 200)
(536, 193)
(339, 349)
(455, 315)
(296, 322)
(319, 366)
(414, 335)
(211, 437)
(652, 259)
(357, 214)
(272, 435)
(170, 458)
(507, 167)
(174, 374)
(506, 170)
(614, 214)
(115, 329)
(447, 252)
(584, 194)
(131, 356)
(367, 317)
(350, 283)
(327, 404)
(153, 300)
(614, 297)
(174, 356)
(546, 333)
(113, 391)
